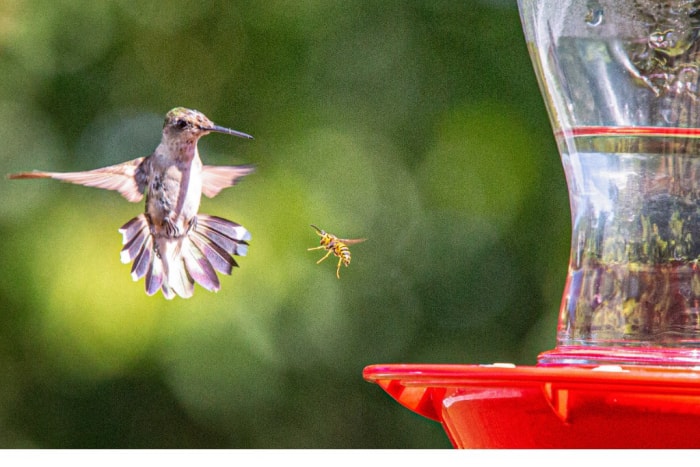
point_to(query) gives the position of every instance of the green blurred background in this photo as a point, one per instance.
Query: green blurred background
(416, 124)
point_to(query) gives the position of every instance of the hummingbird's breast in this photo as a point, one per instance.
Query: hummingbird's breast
(174, 194)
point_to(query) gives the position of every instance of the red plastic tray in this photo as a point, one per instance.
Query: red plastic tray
(507, 406)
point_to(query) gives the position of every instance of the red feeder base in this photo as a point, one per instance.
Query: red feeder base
(504, 406)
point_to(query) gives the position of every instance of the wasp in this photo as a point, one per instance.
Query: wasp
(337, 246)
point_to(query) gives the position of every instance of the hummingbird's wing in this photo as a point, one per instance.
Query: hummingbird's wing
(128, 178)
(217, 177)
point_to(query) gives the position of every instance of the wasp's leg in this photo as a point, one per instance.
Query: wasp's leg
(327, 254)
(337, 270)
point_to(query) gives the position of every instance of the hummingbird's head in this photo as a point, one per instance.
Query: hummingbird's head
(190, 125)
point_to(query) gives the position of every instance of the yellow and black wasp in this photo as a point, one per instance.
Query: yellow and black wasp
(337, 246)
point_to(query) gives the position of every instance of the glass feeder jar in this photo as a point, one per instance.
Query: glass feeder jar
(620, 82)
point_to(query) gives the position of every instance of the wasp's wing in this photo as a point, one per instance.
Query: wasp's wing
(352, 241)
(217, 177)
(127, 178)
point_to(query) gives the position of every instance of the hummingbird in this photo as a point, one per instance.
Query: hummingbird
(171, 243)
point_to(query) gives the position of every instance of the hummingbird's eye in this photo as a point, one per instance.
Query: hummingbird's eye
(181, 124)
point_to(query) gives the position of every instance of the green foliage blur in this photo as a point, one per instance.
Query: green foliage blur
(416, 124)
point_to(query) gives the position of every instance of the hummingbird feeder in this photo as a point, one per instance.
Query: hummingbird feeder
(620, 80)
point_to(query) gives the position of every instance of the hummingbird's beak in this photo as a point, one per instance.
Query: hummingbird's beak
(228, 131)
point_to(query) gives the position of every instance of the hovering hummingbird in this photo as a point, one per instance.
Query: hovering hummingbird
(171, 244)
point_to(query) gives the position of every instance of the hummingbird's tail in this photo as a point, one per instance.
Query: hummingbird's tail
(174, 264)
